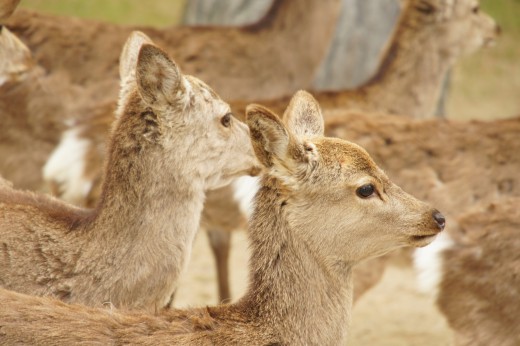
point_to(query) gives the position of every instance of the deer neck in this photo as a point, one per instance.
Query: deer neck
(290, 289)
(143, 202)
(410, 76)
(300, 24)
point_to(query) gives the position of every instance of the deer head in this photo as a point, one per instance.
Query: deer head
(183, 116)
(459, 25)
(336, 199)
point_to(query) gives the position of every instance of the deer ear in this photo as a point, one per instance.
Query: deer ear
(269, 136)
(15, 57)
(130, 52)
(158, 78)
(303, 116)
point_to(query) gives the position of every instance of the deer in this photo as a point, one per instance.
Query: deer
(416, 39)
(323, 206)
(268, 50)
(173, 139)
(35, 108)
(429, 38)
(473, 274)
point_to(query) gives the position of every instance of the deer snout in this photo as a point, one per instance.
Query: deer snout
(440, 220)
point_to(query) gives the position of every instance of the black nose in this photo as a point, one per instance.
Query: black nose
(439, 219)
(498, 30)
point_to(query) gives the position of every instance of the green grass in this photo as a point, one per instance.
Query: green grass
(150, 12)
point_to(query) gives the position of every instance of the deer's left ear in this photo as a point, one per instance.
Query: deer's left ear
(303, 116)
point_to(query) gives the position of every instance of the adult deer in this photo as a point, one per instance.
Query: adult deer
(173, 139)
(323, 206)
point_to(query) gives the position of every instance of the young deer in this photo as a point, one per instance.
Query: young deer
(323, 206)
(173, 139)
(286, 46)
(429, 38)
(474, 274)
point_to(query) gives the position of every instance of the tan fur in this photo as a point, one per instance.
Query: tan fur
(308, 230)
(413, 67)
(7, 8)
(167, 147)
(34, 109)
(285, 46)
(406, 50)
(480, 276)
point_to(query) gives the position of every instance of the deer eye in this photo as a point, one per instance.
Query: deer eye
(475, 9)
(226, 120)
(425, 7)
(365, 191)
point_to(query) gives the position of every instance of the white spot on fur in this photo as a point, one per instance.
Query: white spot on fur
(3, 79)
(244, 191)
(66, 166)
(428, 263)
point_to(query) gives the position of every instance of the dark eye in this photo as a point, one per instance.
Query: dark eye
(476, 9)
(365, 191)
(226, 120)
(425, 7)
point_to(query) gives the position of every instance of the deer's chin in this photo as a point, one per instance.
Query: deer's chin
(422, 240)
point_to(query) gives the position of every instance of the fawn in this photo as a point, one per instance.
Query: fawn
(323, 206)
(173, 139)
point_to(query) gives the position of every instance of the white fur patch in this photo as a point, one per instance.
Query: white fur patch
(3, 79)
(244, 191)
(65, 167)
(428, 263)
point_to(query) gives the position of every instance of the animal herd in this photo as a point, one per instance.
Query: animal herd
(139, 154)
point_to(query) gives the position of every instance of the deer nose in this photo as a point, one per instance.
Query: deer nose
(439, 219)
(498, 30)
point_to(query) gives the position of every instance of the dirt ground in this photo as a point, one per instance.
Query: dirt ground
(394, 313)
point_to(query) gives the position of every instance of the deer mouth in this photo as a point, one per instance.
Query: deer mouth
(423, 240)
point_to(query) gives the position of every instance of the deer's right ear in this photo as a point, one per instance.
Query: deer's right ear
(159, 80)
(269, 136)
(303, 115)
(130, 52)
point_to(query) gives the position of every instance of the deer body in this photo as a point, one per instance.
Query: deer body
(271, 47)
(130, 249)
(430, 36)
(323, 206)
(473, 273)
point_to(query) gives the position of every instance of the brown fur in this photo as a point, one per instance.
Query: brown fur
(7, 8)
(252, 56)
(308, 230)
(414, 31)
(478, 292)
(166, 148)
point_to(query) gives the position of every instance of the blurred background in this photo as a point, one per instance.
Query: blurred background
(485, 85)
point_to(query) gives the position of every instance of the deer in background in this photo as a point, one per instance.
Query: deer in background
(473, 272)
(173, 139)
(429, 38)
(323, 206)
(252, 56)
(35, 109)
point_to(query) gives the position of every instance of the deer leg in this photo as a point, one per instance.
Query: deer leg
(220, 242)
